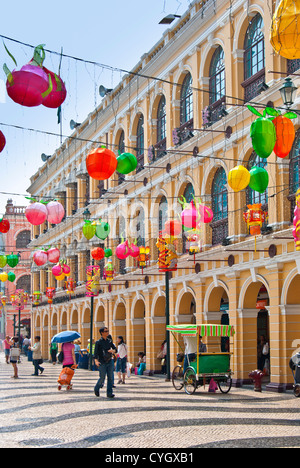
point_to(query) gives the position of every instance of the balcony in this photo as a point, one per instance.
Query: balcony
(214, 112)
(183, 133)
(252, 86)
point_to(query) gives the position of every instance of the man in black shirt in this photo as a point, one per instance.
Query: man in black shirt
(103, 355)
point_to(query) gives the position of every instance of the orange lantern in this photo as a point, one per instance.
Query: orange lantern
(101, 163)
(285, 136)
(98, 253)
(255, 217)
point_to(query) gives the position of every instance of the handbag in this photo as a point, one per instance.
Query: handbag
(60, 357)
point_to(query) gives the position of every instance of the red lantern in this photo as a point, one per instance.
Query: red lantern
(58, 93)
(50, 292)
(2, 142)
(101, 163)
(173, 228)
(27, 86)
(40, 257)
(255, 217)
(98, 253)
(4, 226)
(53, 255)
(285, 136)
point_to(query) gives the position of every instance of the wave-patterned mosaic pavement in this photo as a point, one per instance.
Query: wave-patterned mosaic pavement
(147, 412)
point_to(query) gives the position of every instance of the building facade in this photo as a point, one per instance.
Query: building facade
(188, 127)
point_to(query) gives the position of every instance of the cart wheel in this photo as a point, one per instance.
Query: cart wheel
(225, 385)
(177, 378)
(59, 387)
(190, 381)
(297, 391)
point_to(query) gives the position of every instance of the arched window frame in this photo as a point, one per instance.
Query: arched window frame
(254, 47)
(140, 142)
(186, 100)
(161, 120)
(219, 196)
(23, 239)
(217, 84)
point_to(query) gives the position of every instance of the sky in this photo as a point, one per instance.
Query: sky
(114, 33)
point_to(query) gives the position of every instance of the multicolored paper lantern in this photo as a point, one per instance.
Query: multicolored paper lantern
(101, 163)
(93, 281)
(53, 255)
(36, 213)
(259, 179)
(255, 217)
(122, 251)
(40, 257)
(31, 84)
(50, 293)
(127, 163)
(168, 257)
(109, 271)
(238, 178)
(285, 29)
(102, 230)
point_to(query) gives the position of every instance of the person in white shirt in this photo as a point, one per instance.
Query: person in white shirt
(122, 359)
(190, 344)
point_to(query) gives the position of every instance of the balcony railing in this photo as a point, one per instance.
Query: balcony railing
(252, 86)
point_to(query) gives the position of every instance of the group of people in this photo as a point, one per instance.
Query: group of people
(12, 351)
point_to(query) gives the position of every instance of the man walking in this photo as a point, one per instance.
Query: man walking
(103, 355)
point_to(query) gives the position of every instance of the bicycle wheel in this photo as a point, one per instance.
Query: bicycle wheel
(177, 378)
(225, 385)
(190, 381)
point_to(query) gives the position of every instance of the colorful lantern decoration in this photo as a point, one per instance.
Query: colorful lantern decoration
(173, 228)
(285, 29)
(259, 179)
(11, 276)
(55, 212)
(93, 281)
(13, 260)
(102, 230)
(36, 298)
(144, 257)
(109, 271)
(53, 255)
(31, 84)
(285, 131)
(50, 293)
(36, 213)
(3, 261)
(89, 229)
(296, 222)
(4, 225)
(126, 163)
(2, 141)
(101, 163)
(70, 286)
(167, 258)
(57, 270)
(97, 253)
(58, 93)
(189, 215)
(262, 133)
(40, 257)
(133, 249)
(238, 178)
(66, 270)
(255, 217)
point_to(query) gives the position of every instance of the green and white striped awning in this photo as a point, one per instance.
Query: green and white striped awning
(203, 330)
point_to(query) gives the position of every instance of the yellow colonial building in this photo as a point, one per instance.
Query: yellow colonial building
(182, 112)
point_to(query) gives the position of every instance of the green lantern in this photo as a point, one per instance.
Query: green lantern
(89, 229)
(11, 276)
(3, 261)
(102, 230)
(259, 179)
(108, 253)
(127, 163)
(263, 134)
(12, 260)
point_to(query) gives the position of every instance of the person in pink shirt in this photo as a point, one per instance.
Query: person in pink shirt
(6, 348)
(69, 354)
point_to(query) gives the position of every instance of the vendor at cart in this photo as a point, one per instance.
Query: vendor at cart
(190, 350)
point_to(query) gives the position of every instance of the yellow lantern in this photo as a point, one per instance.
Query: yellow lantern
(285, 29)
(238, 178)
(60, 277)
(3, 277)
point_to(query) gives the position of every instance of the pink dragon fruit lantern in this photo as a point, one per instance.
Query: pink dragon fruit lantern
(55, 211)
(36, 213)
